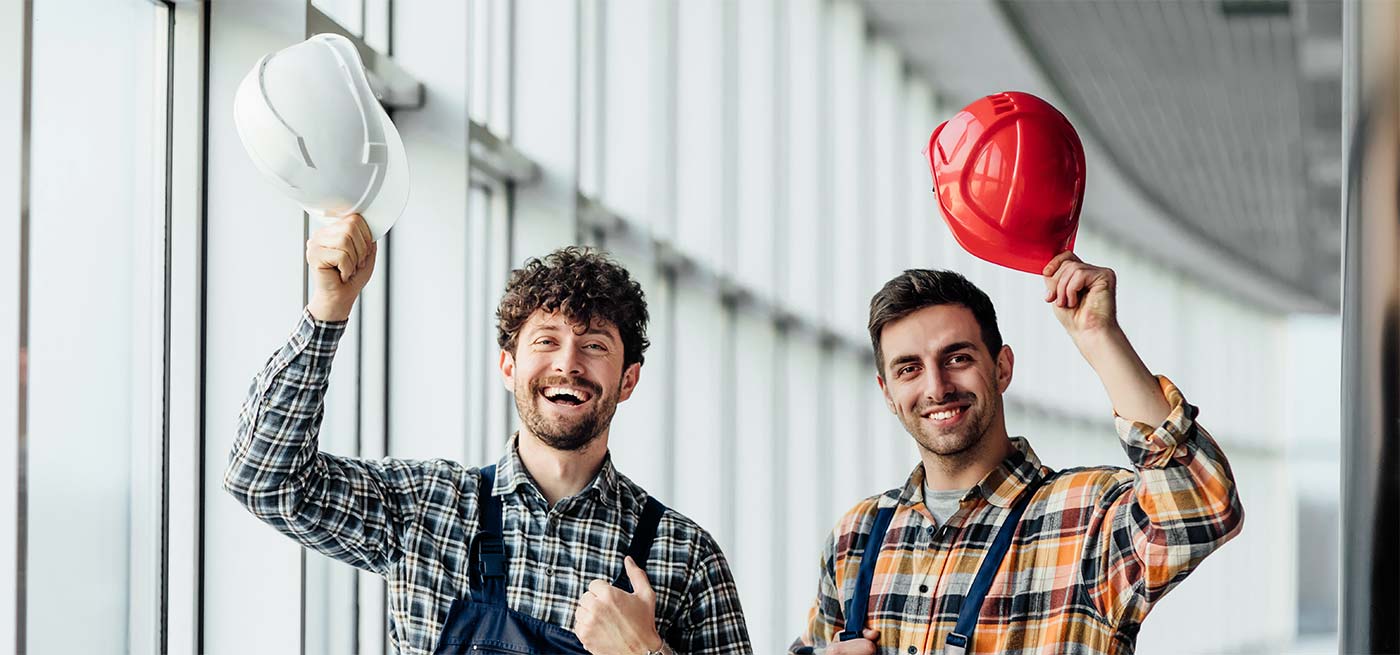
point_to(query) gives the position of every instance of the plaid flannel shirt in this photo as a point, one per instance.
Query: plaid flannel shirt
(1096, 548)
(412, 521)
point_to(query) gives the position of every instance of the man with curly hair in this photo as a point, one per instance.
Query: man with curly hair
(550, 550)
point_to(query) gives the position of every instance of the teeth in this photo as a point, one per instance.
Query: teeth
(554, 392)
(947, 413)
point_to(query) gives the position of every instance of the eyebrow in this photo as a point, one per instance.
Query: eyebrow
(944, 352)
(590, 330)
(955, 347)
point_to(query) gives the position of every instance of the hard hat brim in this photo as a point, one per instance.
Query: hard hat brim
(386, 207)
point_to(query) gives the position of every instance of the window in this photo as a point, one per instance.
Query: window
(95, 324)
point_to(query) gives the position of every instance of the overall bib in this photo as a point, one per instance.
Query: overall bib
(484, 624)
(961, 637)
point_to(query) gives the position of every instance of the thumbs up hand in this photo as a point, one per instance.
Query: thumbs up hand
(610, 621)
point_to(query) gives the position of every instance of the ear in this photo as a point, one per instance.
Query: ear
(885, 391)
(1006, 361)
(630, 377)
(507, 365)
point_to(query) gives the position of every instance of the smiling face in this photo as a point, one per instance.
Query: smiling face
(567, 380)
(941, 381)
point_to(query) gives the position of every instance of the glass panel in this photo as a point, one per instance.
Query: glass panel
(349, 13)
(97, 210)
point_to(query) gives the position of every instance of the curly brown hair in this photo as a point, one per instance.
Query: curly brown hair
(583, 284)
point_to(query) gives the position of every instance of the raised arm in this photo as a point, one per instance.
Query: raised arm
(1182, 504)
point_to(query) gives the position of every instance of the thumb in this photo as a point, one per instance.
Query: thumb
(641, 587)
(871, 634)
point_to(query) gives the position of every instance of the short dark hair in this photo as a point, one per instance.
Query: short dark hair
(584, 285)
(918, 288)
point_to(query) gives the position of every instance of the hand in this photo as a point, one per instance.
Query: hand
(341, 256)
(863, 646)
(1082, 295)
(610, 621)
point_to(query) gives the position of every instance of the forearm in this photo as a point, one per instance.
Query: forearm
(276, 438)
(1134, 391)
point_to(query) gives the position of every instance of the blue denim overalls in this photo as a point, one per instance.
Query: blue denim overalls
(484, 624)
(961, 636)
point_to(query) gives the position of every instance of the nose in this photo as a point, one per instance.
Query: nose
(937, 385)
(568, 362)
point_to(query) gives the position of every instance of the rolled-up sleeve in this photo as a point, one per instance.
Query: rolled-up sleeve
(1181, 506)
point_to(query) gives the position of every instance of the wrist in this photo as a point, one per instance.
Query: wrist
(655, 645)
(329, 311)
(1099, 342)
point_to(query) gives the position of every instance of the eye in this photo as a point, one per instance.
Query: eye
(545, 341)
(958, 360)
(906, 370)
(597, 347)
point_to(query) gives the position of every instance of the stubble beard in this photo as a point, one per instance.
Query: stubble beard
(560, 433)
(962, 441)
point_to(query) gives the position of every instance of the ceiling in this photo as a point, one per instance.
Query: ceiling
(1213, 127)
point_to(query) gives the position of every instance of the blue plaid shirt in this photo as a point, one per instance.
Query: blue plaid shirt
(412, 521)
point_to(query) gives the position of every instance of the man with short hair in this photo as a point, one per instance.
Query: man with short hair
(985, 549)
(552, 549)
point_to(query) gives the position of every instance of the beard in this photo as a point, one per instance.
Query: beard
(963, 438)
(559, 432)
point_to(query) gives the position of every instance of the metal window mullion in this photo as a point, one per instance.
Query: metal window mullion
(147, 377)
(22, 329)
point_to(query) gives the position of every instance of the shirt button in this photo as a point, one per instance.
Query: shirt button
(549, 572)
(923, 588)
(913, 650)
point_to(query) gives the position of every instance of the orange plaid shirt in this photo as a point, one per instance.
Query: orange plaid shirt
(1096, 548)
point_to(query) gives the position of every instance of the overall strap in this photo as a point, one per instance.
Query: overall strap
(639, 549)
(961, 636)
(860, 601)
(487, 556)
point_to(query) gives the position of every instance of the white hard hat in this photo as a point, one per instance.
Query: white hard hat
(311, 124)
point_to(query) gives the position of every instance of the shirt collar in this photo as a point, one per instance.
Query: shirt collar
(511, 475)
(1001, 487)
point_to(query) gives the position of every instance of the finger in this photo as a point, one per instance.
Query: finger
(641, 586)
(333, 236)
(600, 588)
(341, 236)
(362, 227)
(870, 633)
(1062, 278)
(332, 258)
(1055, 263)
(583, 617)
(1078, 283)
(358, 241)
(373, 255)
(336, 240)
(1062, 268)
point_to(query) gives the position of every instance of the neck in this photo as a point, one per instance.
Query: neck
(561, 473)
(965, 469)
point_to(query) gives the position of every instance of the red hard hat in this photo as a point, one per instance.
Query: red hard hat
(1009, 173)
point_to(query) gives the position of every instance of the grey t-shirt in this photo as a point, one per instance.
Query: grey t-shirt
(942, 504)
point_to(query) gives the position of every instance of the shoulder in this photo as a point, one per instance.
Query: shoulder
(1086, 485)
(855, 525)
